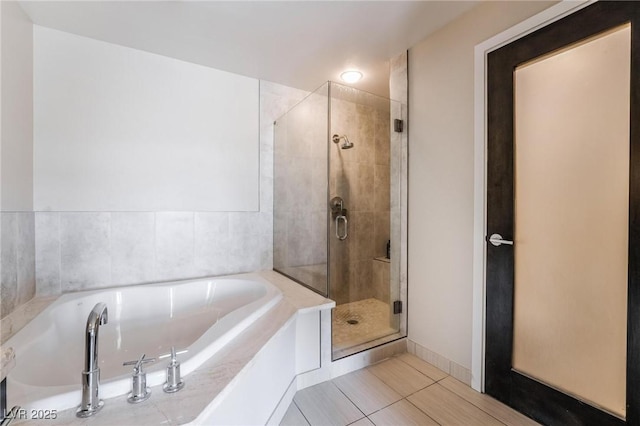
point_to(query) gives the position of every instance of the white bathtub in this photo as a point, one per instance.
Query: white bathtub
(200, 316)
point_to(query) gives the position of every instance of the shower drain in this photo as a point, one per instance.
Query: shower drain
(346, 316)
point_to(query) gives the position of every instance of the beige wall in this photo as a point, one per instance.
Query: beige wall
(441, 176)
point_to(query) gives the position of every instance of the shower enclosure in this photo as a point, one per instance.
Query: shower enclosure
(339, 176)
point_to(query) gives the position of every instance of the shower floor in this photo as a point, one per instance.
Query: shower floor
(372, 318)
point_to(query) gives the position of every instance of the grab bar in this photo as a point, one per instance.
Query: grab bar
(344, 236)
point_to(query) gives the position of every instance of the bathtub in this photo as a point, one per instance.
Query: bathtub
(200, 316)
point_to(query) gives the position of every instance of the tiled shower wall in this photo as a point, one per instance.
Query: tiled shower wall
(361, 176)
(87, 250)
(300, 209)
(17, 251)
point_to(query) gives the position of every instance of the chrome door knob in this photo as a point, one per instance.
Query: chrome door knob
(496, 240)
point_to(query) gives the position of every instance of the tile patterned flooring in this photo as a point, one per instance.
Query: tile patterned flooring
(373, 322)
(403, 390)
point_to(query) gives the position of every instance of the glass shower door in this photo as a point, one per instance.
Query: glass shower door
(365, 156)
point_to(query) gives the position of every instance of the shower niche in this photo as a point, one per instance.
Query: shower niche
(339, 180)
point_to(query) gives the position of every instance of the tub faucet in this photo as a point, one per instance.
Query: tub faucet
(91, 402)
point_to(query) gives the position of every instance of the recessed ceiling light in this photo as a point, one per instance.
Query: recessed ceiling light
(351, 76)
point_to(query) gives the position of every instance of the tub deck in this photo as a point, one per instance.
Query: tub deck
(210, 379)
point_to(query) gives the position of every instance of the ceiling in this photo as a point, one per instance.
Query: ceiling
(296, 43)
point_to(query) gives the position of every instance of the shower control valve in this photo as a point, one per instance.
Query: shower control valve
(139, 390)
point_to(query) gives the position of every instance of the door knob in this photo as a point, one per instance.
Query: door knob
(496, 240)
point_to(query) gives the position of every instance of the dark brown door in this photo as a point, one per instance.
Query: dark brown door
(563, 301)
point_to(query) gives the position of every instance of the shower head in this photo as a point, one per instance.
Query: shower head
(346, 144)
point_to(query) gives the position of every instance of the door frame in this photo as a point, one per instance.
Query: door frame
(542, 19)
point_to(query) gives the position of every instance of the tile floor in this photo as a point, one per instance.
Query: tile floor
(373, 322)
(403, 390)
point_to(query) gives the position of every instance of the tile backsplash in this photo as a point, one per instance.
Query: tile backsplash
(17, 254)
(80, 251)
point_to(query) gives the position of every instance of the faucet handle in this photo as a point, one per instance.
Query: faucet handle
(138, 363)
(174, 382)
(139, 390)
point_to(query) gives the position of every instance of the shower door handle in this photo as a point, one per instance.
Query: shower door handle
(342, 236)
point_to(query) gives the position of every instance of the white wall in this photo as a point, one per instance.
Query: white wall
(118, 129)
(17, 109)
(88, 250)
(17, 252)
(441, 206)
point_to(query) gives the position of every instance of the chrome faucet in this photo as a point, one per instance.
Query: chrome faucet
(91, 402)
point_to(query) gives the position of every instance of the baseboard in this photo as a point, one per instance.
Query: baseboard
(454, 369)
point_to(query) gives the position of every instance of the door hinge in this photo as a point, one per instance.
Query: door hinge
(397, 307)
(398, 125)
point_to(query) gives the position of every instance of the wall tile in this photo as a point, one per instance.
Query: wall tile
(212, 243)
(266, 194)
(244, 223)
(265, 223)
(244, 254)
(318, 241)
(299, 237)
(361, 181)
(398, 78)
(365, 143)
(291, 95)
(344, 121)
(280, 192)
(8, 257)
(381, 142)
(381, 270)
(360, 280)
(318, 189)
(382, 187)
(343, 181)
(280, 247)
(300, 183)
(266, 251)
(353, 173)
(47, 240)
(266, 151)
(17, 256)
(26, 257)
(174, 245)
(362, 236)
(85, 261)
(276, 100)
(132, 247)
(266, 240)
(381, 232)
